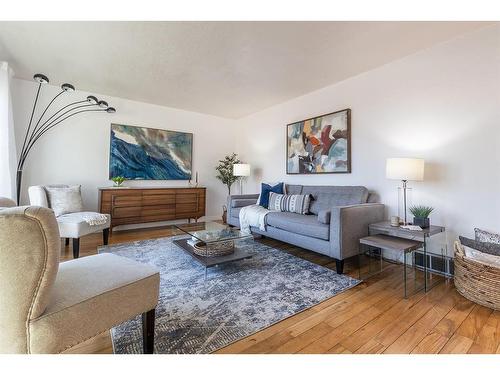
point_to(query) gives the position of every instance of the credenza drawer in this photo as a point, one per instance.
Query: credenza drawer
(186, 198)
(159, 210)
(182, 208)
(123, 212)
(128, 200)
(158, 199)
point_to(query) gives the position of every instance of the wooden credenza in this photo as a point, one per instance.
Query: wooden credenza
(144, 205)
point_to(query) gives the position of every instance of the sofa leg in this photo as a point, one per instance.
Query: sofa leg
(340, 266)
(105, 236)
(66, 241)
(148, 331)
(76, 248)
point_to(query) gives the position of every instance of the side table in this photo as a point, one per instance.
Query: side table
(404, 241)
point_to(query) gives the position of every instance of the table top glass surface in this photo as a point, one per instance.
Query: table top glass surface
(211, 231)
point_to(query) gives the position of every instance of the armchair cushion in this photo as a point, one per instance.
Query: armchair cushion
(65, 200)
(74, 225)
(91, 295)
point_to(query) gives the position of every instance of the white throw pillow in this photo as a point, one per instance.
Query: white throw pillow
(65, 200)
(479, 256)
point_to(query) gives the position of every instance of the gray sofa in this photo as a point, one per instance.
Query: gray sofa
(339, 217)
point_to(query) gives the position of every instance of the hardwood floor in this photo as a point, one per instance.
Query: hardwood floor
(373, 317)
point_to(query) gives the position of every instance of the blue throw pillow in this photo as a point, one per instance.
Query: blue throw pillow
(265, 189)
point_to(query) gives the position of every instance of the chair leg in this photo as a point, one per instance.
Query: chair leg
(105, 236)
(76, 248)
(66, 241)
(340, 266)
(148, 331)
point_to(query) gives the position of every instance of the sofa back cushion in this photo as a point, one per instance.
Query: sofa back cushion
(326, 197)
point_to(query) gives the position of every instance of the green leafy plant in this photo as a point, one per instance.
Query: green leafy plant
(118, 180)
(421, 211)
(225, 170)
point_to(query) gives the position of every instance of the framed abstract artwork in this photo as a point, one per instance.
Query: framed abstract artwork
(320, 145)
(138, 153)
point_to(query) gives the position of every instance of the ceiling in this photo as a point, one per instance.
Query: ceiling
(228, 69)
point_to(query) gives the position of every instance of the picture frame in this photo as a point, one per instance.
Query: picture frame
(143, 153)
(320, 144)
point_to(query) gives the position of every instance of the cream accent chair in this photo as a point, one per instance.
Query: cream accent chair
(47, 307)
(70, 225)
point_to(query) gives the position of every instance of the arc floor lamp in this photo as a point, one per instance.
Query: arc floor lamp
(33, 134)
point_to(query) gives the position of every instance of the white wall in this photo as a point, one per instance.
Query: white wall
(441, 104)
(77, 151)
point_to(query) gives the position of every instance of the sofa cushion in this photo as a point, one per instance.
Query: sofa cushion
(293, 189)
(326, 197)
(296, 203)
(65, 200)
(265, 189)
(307, 225)
(485, 247)
(485, 236)
(324, 216)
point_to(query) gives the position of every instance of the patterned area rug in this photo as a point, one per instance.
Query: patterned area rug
(198, 315)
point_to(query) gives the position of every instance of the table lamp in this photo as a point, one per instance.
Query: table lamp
(405, 169)
(241, 170)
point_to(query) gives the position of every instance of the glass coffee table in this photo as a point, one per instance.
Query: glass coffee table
(212, 244)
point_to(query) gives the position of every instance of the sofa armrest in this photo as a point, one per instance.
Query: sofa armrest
(241, 200)
(350, 223)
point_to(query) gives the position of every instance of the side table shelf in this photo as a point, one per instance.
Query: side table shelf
(402, 243)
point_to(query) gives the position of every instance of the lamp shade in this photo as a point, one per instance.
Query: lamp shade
(242, 170)
(405, 169)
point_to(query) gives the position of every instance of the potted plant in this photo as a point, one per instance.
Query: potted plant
(225, 170)
(225, 174)
(118, 180)
(421, 215)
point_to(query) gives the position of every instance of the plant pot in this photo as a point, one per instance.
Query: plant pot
(422, 222)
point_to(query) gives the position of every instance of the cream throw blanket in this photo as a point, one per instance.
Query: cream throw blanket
(253, 216)
(94, 218)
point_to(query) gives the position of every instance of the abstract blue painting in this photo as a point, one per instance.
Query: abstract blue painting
(138, 153)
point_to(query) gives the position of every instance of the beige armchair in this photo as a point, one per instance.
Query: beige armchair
(47, 307)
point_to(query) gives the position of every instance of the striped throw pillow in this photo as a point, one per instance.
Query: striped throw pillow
(298, 204)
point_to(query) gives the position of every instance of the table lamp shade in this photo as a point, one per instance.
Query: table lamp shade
(242, 170)
(405, 169)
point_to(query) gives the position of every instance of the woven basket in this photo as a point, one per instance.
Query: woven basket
(476, 281)
(215, 249)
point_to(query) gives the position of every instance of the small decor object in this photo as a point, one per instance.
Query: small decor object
(224, 214)
(225, 170)
(320, 144)
(195, 181)
(139, 153)
(421, 215)
(395, 221)
(43, 125)
(216, 249)
(240, 171)
(405, 169)
(265, 190)
(118, 180)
